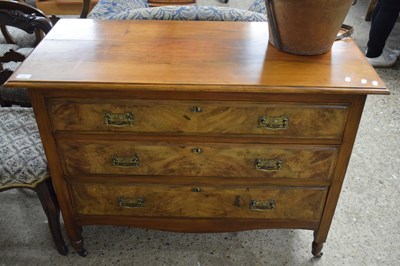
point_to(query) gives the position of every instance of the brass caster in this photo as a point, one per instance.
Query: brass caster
(316, 249)
(318, 255)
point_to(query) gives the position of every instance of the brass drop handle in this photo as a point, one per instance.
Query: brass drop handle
(125, 162)
(131, 203)
(273, 122)
(262, 205)
(118, 119)
(268, 165)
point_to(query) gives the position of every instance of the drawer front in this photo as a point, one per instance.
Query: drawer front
(216, 160)
(286, 120)
(177, 201)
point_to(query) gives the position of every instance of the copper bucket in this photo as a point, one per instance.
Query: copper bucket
(305, 27)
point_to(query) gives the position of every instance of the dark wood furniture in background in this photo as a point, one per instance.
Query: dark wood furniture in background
(170, 2)
(191, 136)
(66, 7)
(23, 17)
(83, 7)
(31, 20)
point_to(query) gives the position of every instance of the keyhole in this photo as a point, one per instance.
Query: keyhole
(197, 150)
(197, 109)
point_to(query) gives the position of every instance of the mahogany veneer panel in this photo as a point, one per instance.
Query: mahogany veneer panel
(171, 201)
(198, 159)
(304, 120)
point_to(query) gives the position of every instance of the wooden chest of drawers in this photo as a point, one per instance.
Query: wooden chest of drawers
(214, 126)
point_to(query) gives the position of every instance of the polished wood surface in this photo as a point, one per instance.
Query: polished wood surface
(191, 54)
(191, 134)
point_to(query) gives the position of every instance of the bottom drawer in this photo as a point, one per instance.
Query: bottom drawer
(185, 201)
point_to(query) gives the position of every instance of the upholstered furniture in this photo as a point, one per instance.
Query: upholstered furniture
(170, 2)
(106, 8)
(31, 21)
(194, 126)
(139, 10)
(23, 164)
(10, 57)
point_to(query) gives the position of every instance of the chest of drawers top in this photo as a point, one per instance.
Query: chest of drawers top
(186, 55)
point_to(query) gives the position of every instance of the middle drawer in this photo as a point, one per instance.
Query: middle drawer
(211, 159)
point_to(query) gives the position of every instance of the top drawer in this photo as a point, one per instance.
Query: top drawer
(199, 117)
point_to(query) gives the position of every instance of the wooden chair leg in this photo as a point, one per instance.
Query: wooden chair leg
(6, 34)
(50, 206)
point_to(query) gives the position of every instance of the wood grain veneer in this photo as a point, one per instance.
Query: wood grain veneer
(178, 130)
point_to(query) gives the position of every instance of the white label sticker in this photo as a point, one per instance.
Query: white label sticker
(24, 76)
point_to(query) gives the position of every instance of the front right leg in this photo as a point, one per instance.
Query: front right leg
(316, 249)
(78, 246)
(75, 238)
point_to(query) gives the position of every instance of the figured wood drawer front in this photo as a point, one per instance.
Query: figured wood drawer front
(235, 160)
(280, 119)
(274, 203)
